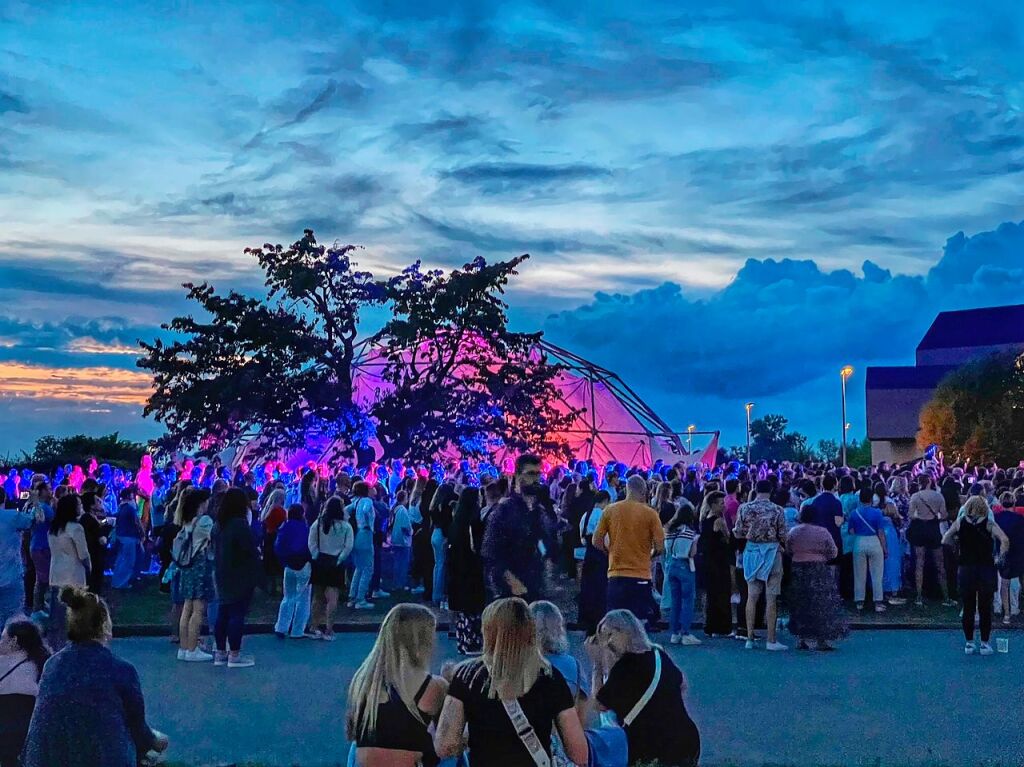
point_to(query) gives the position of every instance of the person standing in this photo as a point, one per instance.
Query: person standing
(38, 505)
(513, 536)
(465, 588)
(630, 532)
(12, 524)
(330, 542)
(129, 534)
(870, 548)
(927, 511)
(593, 596)
(440, 519)
(681, 573)
(718, 560)
(69, 562)
(815, 609)
(762, 524)
(400, 534)
(22, 655)
(93, 522)
(292, 549)
(363, 513)
(1012, 525)
(976, 534)
(191, 555)
(237, 571)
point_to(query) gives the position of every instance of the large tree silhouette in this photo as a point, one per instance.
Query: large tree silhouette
(280, 365)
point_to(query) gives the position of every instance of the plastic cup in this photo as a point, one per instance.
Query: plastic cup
(1002, 644)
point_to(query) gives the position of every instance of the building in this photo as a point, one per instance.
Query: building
(896, 395)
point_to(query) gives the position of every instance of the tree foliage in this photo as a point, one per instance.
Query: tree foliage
(770, 441)
(51, 452)
(977, 412)
(281, 364)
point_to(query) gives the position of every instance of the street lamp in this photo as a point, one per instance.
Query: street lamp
(749, 406)
(689, 438)
(844, 374)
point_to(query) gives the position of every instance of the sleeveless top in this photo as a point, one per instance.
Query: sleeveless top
(398, 729)
(976, 545)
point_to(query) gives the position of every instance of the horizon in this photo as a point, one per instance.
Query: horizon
(721, 205)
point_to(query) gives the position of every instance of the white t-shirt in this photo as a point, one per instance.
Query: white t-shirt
(588, 524)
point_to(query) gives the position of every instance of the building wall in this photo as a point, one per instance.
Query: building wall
(895, 450)
(963, 354)
(895, 413)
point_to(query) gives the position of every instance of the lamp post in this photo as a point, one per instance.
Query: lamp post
(749, 406)
(844, 374)
(689, 438)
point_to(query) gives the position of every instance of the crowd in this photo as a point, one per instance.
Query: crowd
(641, 545)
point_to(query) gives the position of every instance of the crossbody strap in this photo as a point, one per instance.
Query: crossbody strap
(525, 732)
(14, 668)
(646, 697)
(857, 512)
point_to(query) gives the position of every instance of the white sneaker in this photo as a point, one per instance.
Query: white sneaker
(183, 654)
(689, 640)
(674, 639)
(969, 648)
(734, 599)
(364, 605)
(198, 656)
(381, 594)
(750, 644)
(986, 649)
(241, 661)
(776, 646)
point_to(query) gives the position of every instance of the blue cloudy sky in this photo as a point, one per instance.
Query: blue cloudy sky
(722, 203)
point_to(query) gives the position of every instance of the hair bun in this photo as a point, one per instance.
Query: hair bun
(72, 597)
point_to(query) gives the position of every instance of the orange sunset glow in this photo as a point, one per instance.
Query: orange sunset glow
(88, 384)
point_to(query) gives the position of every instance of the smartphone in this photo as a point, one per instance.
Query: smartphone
(24, 495)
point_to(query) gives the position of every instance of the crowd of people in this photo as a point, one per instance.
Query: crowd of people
(639, 546)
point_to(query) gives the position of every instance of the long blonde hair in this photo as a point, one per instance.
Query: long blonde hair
(511, 651)
(976, 507)
(398, 661)
(550, 627)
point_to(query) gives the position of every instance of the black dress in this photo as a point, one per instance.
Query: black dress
(464, 579)
(716, 555)
(593, 597)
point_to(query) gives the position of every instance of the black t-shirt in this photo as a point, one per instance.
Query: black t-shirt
(663, 730)
(492, 738)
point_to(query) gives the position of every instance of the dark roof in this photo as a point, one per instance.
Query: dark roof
(924, 377)
(976, 327)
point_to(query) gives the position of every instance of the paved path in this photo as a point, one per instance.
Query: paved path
(900, 697)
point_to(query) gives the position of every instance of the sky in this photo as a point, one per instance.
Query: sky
(722, 203)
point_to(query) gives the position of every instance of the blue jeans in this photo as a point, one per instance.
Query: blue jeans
(682, 588)
(362, 557)
(400, 556)
(440, 545)
(294, 610)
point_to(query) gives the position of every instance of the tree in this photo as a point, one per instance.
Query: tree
(827, 450)
(281, 365)
(977, 412)
(51, 452)
(461, 380)
(769, 440)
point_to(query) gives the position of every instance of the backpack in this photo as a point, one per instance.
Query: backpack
(181, 549)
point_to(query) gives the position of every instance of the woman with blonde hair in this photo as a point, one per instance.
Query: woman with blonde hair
(512, 698)
(976, 532)
(191, 555)
(393, 698)
(639, 682)
(273, 515)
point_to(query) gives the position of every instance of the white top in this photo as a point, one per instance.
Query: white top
(336, 542)
(69, 556)
(591, 523)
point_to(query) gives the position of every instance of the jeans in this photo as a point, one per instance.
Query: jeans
(867, 553)
(362, 557)
(230, 624)
(294, 611)
(57, 626)
(633, 594)
(681, 584)
(400, 567)
(439, 543)
(41, 564)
